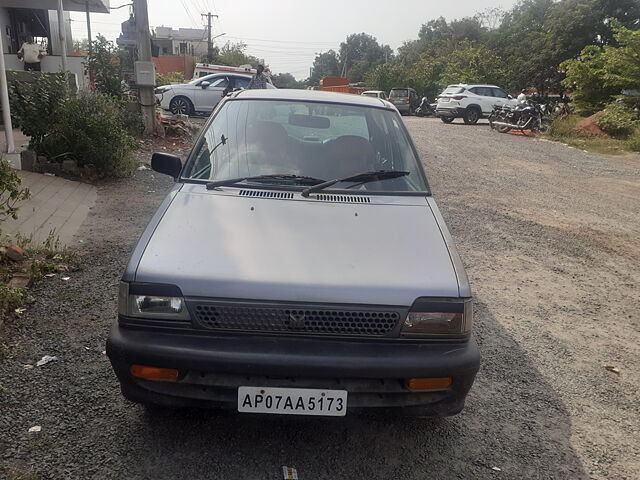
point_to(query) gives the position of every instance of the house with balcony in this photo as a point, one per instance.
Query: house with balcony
(20, 19)
(182, 41)
(48, 22)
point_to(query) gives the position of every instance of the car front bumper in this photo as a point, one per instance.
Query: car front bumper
(212, 367)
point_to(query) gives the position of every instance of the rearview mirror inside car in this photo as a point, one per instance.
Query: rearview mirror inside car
(166, 163)
(308, 121)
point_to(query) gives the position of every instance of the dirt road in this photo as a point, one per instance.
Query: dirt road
(550, 238)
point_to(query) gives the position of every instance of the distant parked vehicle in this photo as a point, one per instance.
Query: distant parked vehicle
(375, 94)
(470, 102)
(525, 116)
(425, 109)
(405, 100)
(201, 94)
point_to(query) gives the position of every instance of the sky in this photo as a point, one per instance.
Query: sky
(288, 34)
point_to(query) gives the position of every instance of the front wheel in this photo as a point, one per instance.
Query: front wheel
(446, 119)
(181, 106)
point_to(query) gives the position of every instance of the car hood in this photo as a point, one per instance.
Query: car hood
(219, 244)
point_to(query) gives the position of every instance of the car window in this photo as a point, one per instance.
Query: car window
(454, 90)
(203, 78)
(399, 92)
(242, 82)
(219, 82)
(498, 92)
(326, 141)
(483, 91)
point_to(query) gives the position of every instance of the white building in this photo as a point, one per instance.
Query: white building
(20, 19)
(181, 41)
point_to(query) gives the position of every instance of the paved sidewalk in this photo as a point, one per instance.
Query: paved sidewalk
(56, 204)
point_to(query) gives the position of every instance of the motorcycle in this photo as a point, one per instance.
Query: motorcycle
(526, 116)
(425, 109)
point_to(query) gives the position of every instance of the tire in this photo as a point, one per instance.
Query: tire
(446, 119)
(181, 106)
(471, 116)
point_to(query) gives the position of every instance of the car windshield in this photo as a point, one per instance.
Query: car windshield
(207, 78)
(453, 90)
(249, 138)
(399, 92)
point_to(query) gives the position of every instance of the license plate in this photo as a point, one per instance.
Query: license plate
(445, 100)
(292, 401)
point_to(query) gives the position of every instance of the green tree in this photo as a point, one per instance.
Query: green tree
(233, 54)
(359, 53)
(473, 64)
(286, 80)
(601, 73)
(105, 63)
(325, 64)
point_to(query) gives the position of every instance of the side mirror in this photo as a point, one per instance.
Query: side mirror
(166, 163)
(509, 97)
(204, 84)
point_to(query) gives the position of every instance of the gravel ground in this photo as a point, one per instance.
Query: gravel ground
(550, 238)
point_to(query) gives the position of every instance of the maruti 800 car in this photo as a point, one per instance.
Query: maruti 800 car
(299, 265)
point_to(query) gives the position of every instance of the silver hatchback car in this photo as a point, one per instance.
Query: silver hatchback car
(299, 266)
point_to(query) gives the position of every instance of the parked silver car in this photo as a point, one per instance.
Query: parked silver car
(299, 265)
(200, 95)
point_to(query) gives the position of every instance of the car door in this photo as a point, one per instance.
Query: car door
(500, 96)
(208, 96)
(485, 99)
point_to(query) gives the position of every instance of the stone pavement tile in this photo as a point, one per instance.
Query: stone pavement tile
(56, 204)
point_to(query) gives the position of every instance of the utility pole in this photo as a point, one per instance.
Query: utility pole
(147, 98)
(209, 40)
(86, 5)
(63, 36)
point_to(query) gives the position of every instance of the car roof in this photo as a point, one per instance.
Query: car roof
(373, 91)
(471, 85)
(311, 96)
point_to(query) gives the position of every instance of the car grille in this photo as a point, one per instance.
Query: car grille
(314, 321)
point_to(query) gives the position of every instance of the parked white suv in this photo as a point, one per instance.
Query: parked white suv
(470, 102)
(200, 94)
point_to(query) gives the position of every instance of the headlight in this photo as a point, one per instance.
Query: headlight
(152, 301)
(435, 316)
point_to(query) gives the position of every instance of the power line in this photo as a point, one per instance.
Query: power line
(188, 12)
(284, 41)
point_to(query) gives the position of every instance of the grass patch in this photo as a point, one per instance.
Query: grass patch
(564, 130)
(40, 260)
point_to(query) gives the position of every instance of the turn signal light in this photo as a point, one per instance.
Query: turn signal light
(442, 383)
(153, 373)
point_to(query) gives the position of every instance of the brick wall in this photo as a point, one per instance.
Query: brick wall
(175, 63)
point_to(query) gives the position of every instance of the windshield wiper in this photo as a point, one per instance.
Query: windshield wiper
(276, 176)
(360, 178)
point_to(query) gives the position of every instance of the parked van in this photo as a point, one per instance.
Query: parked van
(405, 99)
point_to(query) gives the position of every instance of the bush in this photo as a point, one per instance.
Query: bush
(11, 191)
(34, 106)
(633, 142)
(618, 120)
(169, 78)
(92, 129)
(105, 63)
